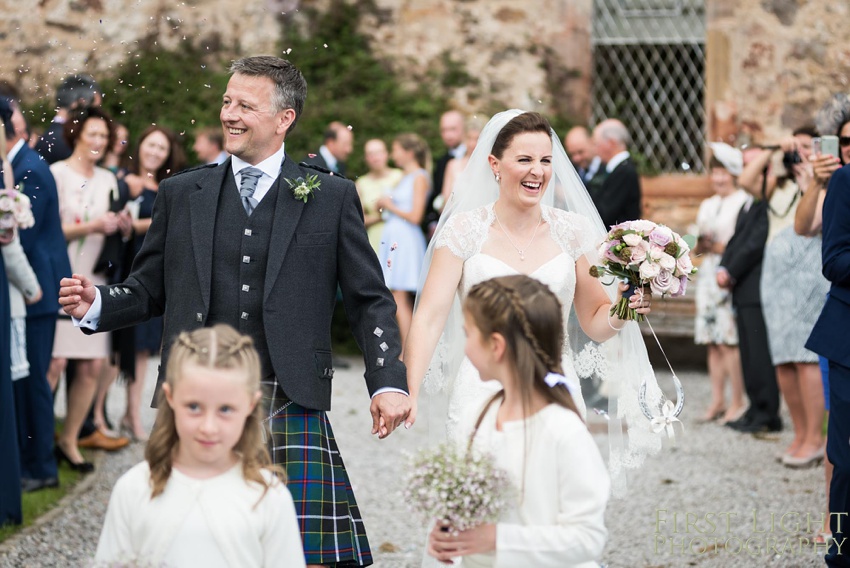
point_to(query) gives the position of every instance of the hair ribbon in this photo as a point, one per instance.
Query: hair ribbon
(555, 379)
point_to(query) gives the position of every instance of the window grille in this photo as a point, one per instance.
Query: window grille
(648, 71)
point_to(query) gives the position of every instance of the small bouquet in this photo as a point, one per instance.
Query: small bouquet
(15, 210)
(645, 254)
(463, 490)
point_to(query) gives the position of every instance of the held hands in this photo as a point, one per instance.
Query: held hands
(724, 280)
(389, 411)
(446, 544)
(76, 295)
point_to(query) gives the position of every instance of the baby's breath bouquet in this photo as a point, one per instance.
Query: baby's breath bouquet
(463, 489)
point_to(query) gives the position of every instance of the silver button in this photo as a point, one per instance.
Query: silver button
(380, 361)
(248, 232)
(384, 346)
(245, 287)
(199, 316)
(244, 315)
(246, 259)
(378, 331)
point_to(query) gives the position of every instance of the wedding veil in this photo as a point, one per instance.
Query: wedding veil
(621, 362)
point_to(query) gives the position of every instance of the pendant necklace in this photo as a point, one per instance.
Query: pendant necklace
(522, 250)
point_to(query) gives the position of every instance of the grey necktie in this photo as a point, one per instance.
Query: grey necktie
(247, 186)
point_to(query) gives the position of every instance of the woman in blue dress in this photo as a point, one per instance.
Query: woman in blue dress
(403, 244)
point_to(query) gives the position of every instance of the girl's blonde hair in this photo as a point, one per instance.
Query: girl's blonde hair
(217, 347)
(528, 315)
(416, 144)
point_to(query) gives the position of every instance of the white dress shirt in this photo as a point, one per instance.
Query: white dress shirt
(616, 161)
(330, 159)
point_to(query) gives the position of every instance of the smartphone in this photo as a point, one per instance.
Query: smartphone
(828, 145)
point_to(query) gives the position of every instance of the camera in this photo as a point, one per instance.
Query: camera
(789, 159)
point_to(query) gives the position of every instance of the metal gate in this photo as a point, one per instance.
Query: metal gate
(648, 71)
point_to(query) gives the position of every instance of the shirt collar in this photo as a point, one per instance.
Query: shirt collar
(458, 152)
(15, 149)
(616, 161)
(330, 159)
(270, 166)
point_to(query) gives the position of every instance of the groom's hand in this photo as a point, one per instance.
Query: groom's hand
(76, 295)
(389, 410)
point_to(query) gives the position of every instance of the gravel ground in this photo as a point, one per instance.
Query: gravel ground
(713, 474)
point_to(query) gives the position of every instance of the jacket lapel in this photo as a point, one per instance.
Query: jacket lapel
(286, 216)
(204, 203)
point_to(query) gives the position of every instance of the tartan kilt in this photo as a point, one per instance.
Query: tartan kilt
(302, 442)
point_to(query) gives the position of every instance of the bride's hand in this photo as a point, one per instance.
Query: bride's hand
(640, 301)
(414, 408)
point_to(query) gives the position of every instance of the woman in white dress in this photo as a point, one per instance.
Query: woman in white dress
(507, 216)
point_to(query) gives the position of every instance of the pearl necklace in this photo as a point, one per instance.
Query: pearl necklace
(522, 250)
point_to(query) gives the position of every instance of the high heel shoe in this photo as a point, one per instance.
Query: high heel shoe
(716, 415)
(126, 428)
(82, 467)
(801, 462)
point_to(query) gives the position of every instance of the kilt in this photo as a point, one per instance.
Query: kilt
(302, 442)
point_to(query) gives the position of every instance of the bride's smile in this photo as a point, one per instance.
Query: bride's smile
(525, 167)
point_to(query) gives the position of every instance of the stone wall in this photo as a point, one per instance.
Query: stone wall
(772, 64)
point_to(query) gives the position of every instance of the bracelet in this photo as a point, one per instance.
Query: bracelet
(608, 319)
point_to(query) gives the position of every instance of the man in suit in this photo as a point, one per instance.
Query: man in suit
(829, 339)
(47, 252)
(74, 92)
(209, 146)
(740, 271)
(246, 244)
(615, 189)
(336, 148)
(579, 147)
(453, 132)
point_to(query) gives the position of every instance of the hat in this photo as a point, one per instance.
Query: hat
(731, 158)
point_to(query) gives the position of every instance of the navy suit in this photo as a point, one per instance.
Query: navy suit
(829, 339)
(10, 473)
(47, 252)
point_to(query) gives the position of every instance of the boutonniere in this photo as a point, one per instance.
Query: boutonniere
(303, 188)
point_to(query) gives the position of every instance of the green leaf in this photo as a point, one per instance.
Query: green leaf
(691, 240)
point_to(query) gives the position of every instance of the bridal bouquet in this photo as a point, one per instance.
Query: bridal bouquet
(644, 254)
(462, 489)
(15, 210)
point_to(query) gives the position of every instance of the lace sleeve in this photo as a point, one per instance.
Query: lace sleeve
(573, 232)
(464, 233)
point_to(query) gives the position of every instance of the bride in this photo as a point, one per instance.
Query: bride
(520, 207)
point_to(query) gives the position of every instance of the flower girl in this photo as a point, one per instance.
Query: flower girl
(207, 493)
(514, 335)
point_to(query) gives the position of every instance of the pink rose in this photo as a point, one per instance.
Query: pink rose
(655, 252)
(632, 239)
(683, 285)
(662, 283)
(642, 226)
(639, 252)
(684, 264)
(649, 270)
(661, 236)
(667, 262)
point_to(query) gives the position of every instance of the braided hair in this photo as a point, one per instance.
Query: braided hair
(217, 347)
(528, 315)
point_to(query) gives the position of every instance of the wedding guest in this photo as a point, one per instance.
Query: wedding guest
(402, 244)
(792, 263)
(514, 333)
(336, 148)
(75, 92)
(115, 157)
(47, 252)
(380, 180)
(579, 146)
(85, 190)
(158, 156)
(209, 146)
(714, 325)
(452, 134)
(193, 502)
(454, 167)
(615, 189)
(10, 470)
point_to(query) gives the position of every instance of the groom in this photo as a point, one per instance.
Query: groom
(231, 243)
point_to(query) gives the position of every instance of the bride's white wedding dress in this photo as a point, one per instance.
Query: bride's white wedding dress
(465, 234)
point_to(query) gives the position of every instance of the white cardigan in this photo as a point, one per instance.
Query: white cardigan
(239, 531)
(23, 283)
(560, 521)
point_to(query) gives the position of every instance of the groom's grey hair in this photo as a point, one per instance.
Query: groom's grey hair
(290, 86)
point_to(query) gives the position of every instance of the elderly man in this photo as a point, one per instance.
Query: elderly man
(337, 147)
(579, 146)
(453, 132)
(262, 243)
(615, 190)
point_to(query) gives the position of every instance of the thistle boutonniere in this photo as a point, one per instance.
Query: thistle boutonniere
(303, 188)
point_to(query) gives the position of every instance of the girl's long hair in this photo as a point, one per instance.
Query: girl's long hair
(414, 143)
(528, 315)
(217, 347)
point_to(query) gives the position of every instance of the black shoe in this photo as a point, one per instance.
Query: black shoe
(762, 426)
(744, 421)
(29, 485)
(82, 467)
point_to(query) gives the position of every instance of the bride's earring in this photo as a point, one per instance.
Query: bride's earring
(498, 177)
